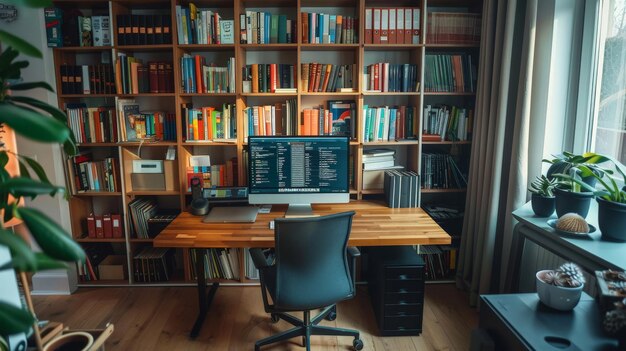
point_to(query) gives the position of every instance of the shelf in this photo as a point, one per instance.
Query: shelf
(147, 94)
(209, 143)
(392, 47)
(135, 48)
(374, 93)
(354, 93)
(206, 47)
(329, 47)
(467, 142)
(105, 240)
(83, 48)
(153, 192)
(136, 240)
(372, 191)
(269, 47)
(103, 283)
(269, 94)
(444, 93)
(147, 143)
(68, 96)
(207, 94)
(97, 193)
(97, 144)
(461, 190)
(266, 3)
(398, 142)
(452, 46)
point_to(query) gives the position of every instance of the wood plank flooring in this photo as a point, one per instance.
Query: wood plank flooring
(160, 319)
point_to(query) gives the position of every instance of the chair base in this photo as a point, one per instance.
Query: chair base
(308, 327)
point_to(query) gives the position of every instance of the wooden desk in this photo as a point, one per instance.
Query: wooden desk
(374, 224)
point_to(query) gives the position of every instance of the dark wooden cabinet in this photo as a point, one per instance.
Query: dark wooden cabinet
(396, 286)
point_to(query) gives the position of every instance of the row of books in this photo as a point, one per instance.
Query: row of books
(94, 255)
(209, 123)
(198, 77)
(135, 125)
(335, 120)
(447, 123)
(321, 28)
(276, 119)
(92, 124)
(266, 28)
(251, 272)
(440, 171)
(269, 78)
(218, 264)
(87, 79)
(74, 29)
(203, 26)
(215, 175)
(141, 210)
(92, 175)
(105, 226)
(439, 261)
(450, 73)
(144, 29)
(152, 264)
(453, 28)
(386, 77)
(392, 25)
(387, 123)
(133, 76)
(321, 77)
(401, 188)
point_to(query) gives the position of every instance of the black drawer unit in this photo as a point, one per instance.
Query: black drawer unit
(395, 277)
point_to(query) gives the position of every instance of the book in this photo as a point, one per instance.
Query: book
(53, 17)
(227, 28)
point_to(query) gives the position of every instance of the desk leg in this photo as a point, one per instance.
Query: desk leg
(515, 260)
(204, 299)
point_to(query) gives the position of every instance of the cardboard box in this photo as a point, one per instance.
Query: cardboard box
(113, 267)
(147, 181)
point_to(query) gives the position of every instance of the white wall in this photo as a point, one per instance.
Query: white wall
(30, 26)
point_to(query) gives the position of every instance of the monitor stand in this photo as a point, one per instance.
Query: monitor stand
(299, 210)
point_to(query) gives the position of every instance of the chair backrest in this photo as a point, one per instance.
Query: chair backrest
(311, 261)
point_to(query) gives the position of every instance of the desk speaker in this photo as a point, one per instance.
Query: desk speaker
(199, 205)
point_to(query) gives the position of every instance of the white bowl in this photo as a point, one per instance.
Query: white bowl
(557, 297)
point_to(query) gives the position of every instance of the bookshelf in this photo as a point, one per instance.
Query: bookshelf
(360, 54)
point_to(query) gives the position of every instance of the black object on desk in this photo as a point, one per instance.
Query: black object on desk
(521, 322)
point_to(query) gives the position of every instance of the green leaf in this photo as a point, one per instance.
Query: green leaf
(36, 167)
(4, 346)
(33, 125)
(14, 319)
(53, 111)
(13, 71)
(24, 170)
(6, 58)
(31, 85)
(4, 158)
(22, 186)
(54, 241)
(45, 262)
(69, 146)
(32, 3)
(20, 251)
(19, 44)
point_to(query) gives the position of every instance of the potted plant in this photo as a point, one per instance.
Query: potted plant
(569, 197)
(611, 200)
(567, 160)
(542, 199)
(560, 288)
(41, 122)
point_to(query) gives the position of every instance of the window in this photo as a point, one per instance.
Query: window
(609, 107)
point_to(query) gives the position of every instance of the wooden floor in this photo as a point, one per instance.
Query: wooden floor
(160, 319)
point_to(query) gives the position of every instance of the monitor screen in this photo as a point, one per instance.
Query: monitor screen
(298, 170)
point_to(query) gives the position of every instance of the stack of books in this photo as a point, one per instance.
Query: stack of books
(277, 119)
(401, 188)
(450, 73)
(92, 124)
(445, 122)
(209, 124)
(203, 26)
(198, 77)
(269, 78)
(220, 264)
(389, 123)
(320, 28)
(453, 28)
(134, 77)
(94, 175)
(392, 25)
(140, 211)
(322, 77)
(440, 171)
(152, 264)
(266, 28)
(385, 77)
(216, 175)
(379, 159)
(144, 29)
(87, 79)
(336, 120)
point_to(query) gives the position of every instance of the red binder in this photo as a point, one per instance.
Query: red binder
(99, 227)
(91, 226)
(107, 225)
(116, 225)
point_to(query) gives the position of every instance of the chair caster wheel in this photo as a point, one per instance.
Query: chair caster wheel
(275, 318)
(357, 344)
(332, 315)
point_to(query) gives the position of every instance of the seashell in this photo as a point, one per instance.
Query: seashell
(572, 222)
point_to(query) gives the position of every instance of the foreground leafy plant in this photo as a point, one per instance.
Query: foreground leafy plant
(41, 122)
(543, 186)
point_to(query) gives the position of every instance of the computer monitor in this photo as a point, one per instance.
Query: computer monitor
(298, 171)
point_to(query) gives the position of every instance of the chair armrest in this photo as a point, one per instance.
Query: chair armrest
(259, 258)
(353, 251)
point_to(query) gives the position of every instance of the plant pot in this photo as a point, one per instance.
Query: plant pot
(612, 220)
(564, 167)
(73, 341)
(567, 201)
(542, 206)
(610, 288)
(558, 297)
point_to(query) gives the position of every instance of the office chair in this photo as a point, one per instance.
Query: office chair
(309, 271)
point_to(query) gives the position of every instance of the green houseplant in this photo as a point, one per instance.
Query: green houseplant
(41, 122)
(542, 200)
(611, 199)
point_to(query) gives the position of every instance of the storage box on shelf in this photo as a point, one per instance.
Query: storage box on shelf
(162, 83)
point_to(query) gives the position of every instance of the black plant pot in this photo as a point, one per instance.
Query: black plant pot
(542, 206)
(564, 167)
(567, 201)
(612, 220)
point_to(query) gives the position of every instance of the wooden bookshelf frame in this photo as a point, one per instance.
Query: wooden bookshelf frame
(79, 203)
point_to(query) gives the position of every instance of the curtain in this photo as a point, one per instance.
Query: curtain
(499, 166)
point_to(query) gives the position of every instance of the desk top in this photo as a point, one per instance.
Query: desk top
(535, 324)
(374, 224)
(609, 254)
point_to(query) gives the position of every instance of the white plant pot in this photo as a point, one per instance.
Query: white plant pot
(557, 297)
